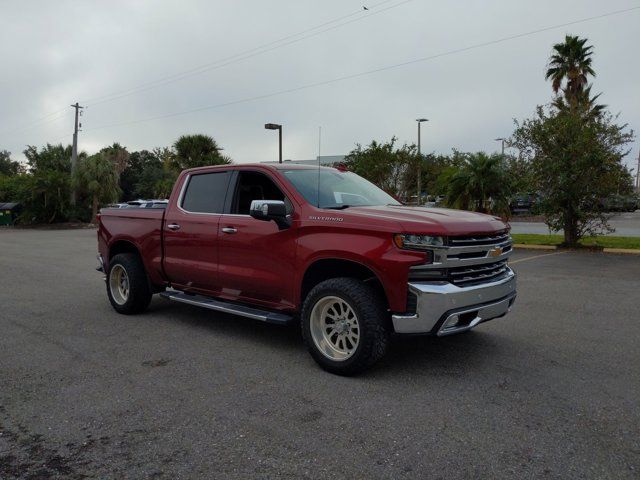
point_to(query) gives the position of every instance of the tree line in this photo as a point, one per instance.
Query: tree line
(570, 154)
(44, 186)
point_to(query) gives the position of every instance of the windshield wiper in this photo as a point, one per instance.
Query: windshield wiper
(338, 207)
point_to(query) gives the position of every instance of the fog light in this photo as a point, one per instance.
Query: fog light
(451, 322)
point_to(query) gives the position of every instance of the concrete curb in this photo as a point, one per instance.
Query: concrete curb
(625, 251)
(629, 251)
(534, 247)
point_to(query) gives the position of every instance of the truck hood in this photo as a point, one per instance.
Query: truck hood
(429, 221)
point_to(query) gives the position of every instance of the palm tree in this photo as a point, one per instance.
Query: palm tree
(481, 184)
(586, 102)
(571, 61)
(98, 178)
(570, 65)
(197, 151)
(118, 156)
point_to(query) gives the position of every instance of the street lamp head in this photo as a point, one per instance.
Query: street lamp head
(420, 120)
(272, 126)
(500, 139)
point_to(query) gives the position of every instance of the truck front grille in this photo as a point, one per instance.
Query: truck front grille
(473, 274)
(477, 240)
(461, 276)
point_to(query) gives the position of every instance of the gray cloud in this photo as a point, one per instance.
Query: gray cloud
(55, 53)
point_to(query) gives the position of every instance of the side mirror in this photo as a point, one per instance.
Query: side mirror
(268, 210)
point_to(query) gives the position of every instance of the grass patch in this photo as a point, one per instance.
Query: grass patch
(605, 242)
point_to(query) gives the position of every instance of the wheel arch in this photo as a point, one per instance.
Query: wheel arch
(123, 246)
(327, 268)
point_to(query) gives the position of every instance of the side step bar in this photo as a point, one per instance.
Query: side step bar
(232, 308)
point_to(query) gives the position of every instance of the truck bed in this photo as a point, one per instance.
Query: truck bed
(141, 227)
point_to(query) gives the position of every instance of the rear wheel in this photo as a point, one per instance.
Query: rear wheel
(344, 326)
(127, 286)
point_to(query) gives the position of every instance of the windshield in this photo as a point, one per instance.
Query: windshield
(337, 189)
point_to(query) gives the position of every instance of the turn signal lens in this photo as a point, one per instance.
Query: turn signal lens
(416, 242)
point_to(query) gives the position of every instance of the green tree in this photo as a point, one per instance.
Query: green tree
(50, 157)
(9, 167)
(438, 170)
(163, 186)
(138, 180)
(197, 151)
(98, 179)
(520, 174)
(44, 192)
(576, 162)
(390, 168)
(118, 156)
(481, 184)
(574, 146)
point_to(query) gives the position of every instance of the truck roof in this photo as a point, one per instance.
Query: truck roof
(272, 166)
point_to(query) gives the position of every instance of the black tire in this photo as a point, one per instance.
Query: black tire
(372, 317)
(139, 293)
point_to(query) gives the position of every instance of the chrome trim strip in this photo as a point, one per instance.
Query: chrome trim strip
(100, 266)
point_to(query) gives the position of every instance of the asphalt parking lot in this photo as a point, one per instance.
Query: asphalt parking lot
(550, 391)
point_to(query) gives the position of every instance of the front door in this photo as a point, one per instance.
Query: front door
(191, 232)
(256, 258)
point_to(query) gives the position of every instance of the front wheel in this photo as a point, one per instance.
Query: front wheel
(127, 285)
(344, 326)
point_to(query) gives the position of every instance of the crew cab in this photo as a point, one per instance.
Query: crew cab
(285, 243)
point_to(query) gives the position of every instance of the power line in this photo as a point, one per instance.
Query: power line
(222, 62)
(38, 122)
(246, 54)
(368, 72)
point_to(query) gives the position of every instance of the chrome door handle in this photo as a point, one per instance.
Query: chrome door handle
(173, 226)
(229, 230)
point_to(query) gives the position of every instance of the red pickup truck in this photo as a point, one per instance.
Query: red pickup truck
(323, 247)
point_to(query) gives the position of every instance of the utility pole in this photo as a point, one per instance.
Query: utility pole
(501, 140)
(638, 175)
(419, 120)
(74, 149)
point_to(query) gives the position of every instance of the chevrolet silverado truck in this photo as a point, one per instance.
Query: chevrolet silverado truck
(284, 243)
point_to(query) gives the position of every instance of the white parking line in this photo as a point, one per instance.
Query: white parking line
(535, 256)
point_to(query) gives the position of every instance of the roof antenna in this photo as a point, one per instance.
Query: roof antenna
(319, 150)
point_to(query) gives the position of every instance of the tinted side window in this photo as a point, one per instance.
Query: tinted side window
(206, 192)
(255, 186)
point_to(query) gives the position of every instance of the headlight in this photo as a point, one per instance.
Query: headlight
(416, 242)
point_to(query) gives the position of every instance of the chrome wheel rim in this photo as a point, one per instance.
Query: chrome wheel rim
(119, 284)
(334, 328)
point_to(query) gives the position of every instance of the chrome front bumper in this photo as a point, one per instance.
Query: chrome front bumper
(443, 308)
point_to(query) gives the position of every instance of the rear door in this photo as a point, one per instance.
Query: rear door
(191, 231)
(256, 257)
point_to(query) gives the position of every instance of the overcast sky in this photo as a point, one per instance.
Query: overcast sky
(56, 53)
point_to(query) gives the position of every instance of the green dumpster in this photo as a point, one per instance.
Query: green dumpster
(8, 213)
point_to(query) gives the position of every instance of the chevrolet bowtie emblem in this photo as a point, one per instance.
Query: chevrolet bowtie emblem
(495, 252)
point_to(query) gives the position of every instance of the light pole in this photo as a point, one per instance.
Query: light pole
(275, 126)
(501, 140)
(420, 120)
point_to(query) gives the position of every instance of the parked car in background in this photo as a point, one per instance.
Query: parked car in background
(620, 203)
(147, 203)
(523, 203)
